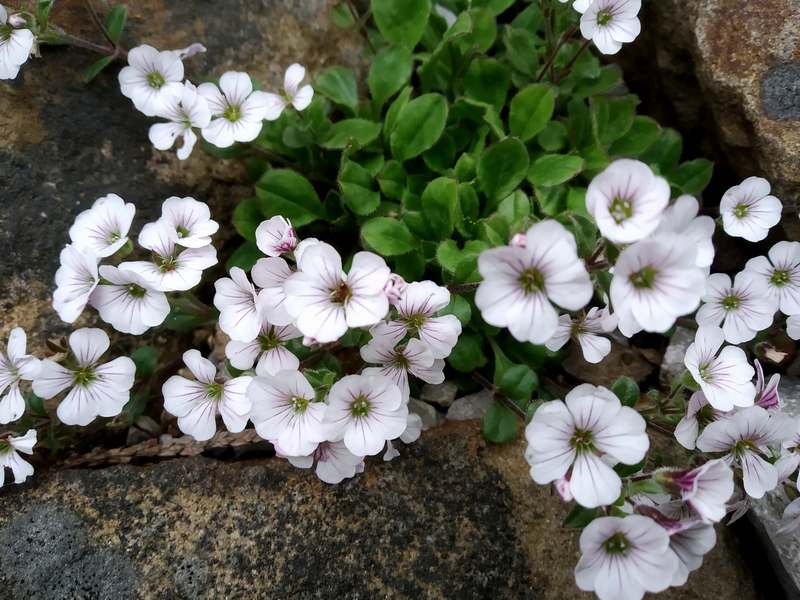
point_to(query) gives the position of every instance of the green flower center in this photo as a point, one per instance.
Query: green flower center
(113, 237)
(731, 302)
(643, 278)
(616, 544)
(740, 210)
(742, 446)
(299, 404)
(360, 406)
(136, 291)
(582, 441)
(268, 341)
(340, 294)
(83, 376)
(5, 445)
(779, 278)
(214, 391)
(531, 280)
(232, 113)
(167, 263)
(620, 209)
(705, 415)
(414, 323)
(705, 373)
(182, 231)
(155, 80)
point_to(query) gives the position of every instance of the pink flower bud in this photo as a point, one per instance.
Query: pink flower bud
(394, 288)
(518, 241)
(562, 487)
(17, 20)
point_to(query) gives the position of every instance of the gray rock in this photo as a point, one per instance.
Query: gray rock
(442, 394)
(780, 91)
(672, 364)
(430, 416)
(469, 407)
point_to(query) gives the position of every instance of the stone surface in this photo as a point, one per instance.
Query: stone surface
(473, 406)
(441, 394)
(622, 360)
(672, 364)
(430, 416)
(451, 518)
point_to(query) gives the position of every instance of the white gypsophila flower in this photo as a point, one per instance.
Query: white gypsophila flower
(627, 200)
(610, 23)
(790, 521)
(749, 211)
(395, 288)
(417, 310)
(580, 6)
(725, 376)
(781, 273)
(237, 111)
(171, 267)
(744, 438)
(270, 274)
(656, 281)
(589, 432)
(10, 458)
(16, 45)
(94, 389)
(152, 79)
(414, 357)
(705, 489)
(793, 327)
(302, 246)
(184, 112)
(681, 217)
(191, 220)
(103, 228)
(15, 366)
(128, 301)
(276, 236)
(268, 349)
(196, 402)
(294, 95)
(366, 411)
(744, 307)
(587, 332)
(76, 279)
(239, 314)
(325, 301)
(334, 462)
(519, 284)
(284, 411)
(767, 391)
(699, 413)
(622, 558)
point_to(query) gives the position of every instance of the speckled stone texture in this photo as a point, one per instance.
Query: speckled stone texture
(450, 518)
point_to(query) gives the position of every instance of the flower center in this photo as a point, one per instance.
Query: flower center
(531, 280)
(299, 404)
(705, 372)
(232, 113)
(616, 544)
(113, 237)
(620, 209)
(167, 263)
(360, 406)
(414, 323)
(214, 391)
(740, 210)
(340, 294)
(779, 278)
(742, 446)
(182, 231)
(643, 278)
(136, 291)
(731, 302)
(400, 361)
(5, 33)
(155, 80)
(582, 441)
(268, 341)
(705, 415)
(5, 445)
(83, 376)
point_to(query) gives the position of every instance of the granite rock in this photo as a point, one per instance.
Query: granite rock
(441, 394)
(473, 406)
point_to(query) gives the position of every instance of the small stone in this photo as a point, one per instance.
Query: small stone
(430, 416)
(672, 365)
(442, 394)
(470, 407)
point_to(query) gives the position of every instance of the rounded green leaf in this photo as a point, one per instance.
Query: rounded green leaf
(401, 22)
(554, 169)
(502, 167)
(350, 132)
(643, 133)
(419, 126)
(499, 424)
(287, 193)
(627, 390)
(388, 237)
(440, 206)
(339, 85)
(389, 72)
(531, 110)
(467, 355)
(247, 217)
(487, 80)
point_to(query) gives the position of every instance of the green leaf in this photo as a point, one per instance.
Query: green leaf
(43, 8)
(554, 169)
(94, 70)
(666, 152)
(246, 218)
(459, 307)
(450, 257)
(465, 167)
(394, 111)
(484, 31)
(145, 358)
(411, 266)
(502, 168)
(339, 85)
(693, 176)
(499, 424)
(389, 72)
(469, 203)
(355, 133)
(245, 256)
(553, 137)
(115, 21)
(495, 7)
(342, 17)
(531, 110)
(627, 390)
(401, 22)
(419, 126)
(392, 180)
(440, 206)
(467, 354)
(518, 383)
(515, 208)
(355, 183)
(579, 517)
(388, 237)
(613, 116)
(643, 133)
(289, 194)
(487, 80)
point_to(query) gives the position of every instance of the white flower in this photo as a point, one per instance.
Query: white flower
(325, 301)
(749, 211)
(151, 79)
(94, 389)
(10, 458)
(416, 315)
(519, 284)
(706, 489)
(299, 97)
(622, 558)
(235, 298)
(689, 539)
(744, 438)
(627, 200)
(681, 218)
(397, 362)
(781, 272)
(103, 229)
(767, 391)
(15, 366)
(334, 462)
(197, 402)
(276, 236)
(184, 112)
(789, 460)
(302, 246)
(744, 307)
(366, 411)
(15, 46)
(656, 281)
(793, 327)
(270, 274)
(610, 23)
(590, 432)
(585, 330)
(191, 220)
(284, 411)
(76, 279)
(129, 302)
(268, 348)
(237, 110)
(579, 5)
(699, 413)
(172, 267)
(724, 378)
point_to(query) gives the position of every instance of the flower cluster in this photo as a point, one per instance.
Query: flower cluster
(17, 42)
